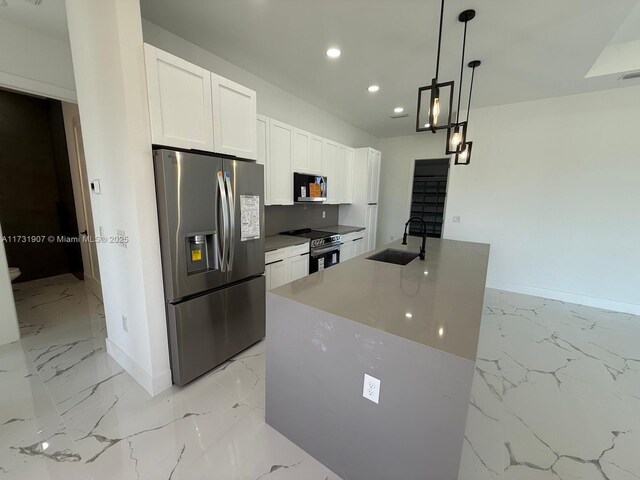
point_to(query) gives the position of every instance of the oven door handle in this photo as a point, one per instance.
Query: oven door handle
(317, 253)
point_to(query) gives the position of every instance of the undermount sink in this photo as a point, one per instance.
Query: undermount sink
(391, 255)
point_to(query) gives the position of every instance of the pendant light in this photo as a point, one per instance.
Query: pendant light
(457, 132)
(434, 119)
(464, 156)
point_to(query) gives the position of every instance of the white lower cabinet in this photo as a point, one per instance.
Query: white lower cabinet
(352, 245)
(371, 225)
(276, 274)
(299, 266)
(286, 265)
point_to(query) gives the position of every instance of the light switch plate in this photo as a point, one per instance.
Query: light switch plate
(95, 187)
(371, 388)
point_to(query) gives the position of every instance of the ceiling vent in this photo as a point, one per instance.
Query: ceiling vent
(630, 75)
(399, 115)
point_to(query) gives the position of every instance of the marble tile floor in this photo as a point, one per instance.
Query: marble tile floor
(69, 411)
(556, 395)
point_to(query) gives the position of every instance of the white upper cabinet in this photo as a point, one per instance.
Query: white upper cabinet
(307, 153)
(193, 108)
(301, 151)
(279, 163)
(348, 171)
(329, 170)
(262, 134)
(179, 101)
(373, 175)
(315, 155)
(234, 118)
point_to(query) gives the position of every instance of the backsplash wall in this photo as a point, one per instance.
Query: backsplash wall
(280, 218)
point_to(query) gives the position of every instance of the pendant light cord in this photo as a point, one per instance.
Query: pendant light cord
(440, 39)
(473, 73)
(464, 45)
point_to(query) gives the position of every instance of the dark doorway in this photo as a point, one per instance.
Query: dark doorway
(36, 193)
(428, 195)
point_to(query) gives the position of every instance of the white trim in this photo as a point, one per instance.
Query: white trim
(36, 87)
(603, 303)
(153, 385)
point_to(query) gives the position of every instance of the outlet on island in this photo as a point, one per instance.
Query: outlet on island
(371, 388)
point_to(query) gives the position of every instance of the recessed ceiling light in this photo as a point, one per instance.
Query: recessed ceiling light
(426, 125)
(408, 315)
(373, 88)
(333, 53)
(398, 110)
(441, 331)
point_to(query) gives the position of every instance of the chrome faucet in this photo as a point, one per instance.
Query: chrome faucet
(424, 235)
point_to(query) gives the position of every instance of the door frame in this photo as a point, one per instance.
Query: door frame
(412, 169)
(81, 194)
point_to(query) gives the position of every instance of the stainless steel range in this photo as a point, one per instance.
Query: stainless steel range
(324, 250)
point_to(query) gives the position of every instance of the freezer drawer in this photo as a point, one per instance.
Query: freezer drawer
(208, 330)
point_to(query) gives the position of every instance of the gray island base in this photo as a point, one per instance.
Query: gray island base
(415, 328)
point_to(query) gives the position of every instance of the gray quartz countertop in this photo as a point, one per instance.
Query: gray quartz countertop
(274, 242)
(340, 229)
(436, 302)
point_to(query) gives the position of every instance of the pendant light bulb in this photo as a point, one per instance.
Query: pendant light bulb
(435, 108)
(455, 141)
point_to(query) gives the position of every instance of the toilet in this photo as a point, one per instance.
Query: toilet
(14, 273)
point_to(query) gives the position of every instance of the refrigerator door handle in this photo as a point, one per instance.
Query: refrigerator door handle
(232, 221)
(225, 222)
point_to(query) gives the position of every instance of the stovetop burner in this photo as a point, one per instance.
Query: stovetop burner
(317, 237)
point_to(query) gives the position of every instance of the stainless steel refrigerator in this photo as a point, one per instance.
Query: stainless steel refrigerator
(211, 216)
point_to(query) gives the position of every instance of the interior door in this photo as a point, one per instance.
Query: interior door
(85, 215)
(190, 210)
(245, 186)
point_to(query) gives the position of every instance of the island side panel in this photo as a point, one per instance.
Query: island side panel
(315, 366)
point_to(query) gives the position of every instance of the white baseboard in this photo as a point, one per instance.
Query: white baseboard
(153, 385)
(603, 303)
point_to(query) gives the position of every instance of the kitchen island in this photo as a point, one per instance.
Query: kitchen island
(414, 328)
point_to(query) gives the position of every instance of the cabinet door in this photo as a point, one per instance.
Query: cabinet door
(278, 274)
(315, 155)
(358, 247)
(371, 220)
(299, 266)
(301, 151)
(267, 277)
(280, 152)
(340, 174)
(179, 101)
(234, 118)
(329, 162)
(262, 125)
(376, 175)
(348, 168)
(346, 251)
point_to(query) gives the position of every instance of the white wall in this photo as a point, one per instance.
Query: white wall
(35, 63)
(107, 48)
(272, 101)
(553, 186)
(9, 331)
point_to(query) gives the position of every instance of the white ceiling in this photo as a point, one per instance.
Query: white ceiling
(529, 49)
(48, 18)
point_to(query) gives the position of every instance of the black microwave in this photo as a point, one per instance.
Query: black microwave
(309, 188)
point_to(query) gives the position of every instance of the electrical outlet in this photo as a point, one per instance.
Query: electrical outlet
(371, 388)
(324, 214)
(456, 219)
(101, 231)
(125, 327)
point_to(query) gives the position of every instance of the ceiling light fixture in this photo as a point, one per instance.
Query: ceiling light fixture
(436, 90)
(398, 110)
(457, 132)
(464, 157)
(373, 88)
(334, 53)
